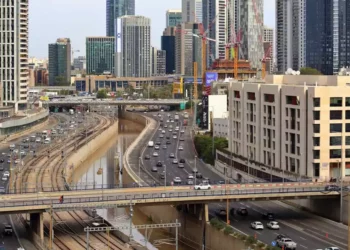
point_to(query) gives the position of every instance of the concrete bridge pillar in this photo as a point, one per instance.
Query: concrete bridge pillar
(206, 212)
(37, 224)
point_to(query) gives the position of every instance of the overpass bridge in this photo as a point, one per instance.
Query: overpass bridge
(84, 199)
(85, 101)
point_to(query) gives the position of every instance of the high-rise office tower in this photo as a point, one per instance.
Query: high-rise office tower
(216, 21)
(60, 62)
(115, 9)
(290, 34)
(168, 45)
(268, 45)
(192, 11)
(188, 49)
(133, 49)
(157, 61)
(100, 52)
(14, 74)
(173, 18)
(251, 23)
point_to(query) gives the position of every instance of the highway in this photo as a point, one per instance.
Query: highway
(307, 230)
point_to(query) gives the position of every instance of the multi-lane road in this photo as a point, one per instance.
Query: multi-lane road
(308, 231)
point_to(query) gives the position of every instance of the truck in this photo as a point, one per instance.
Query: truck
(176, 117)
(8, 230)
(150, 144)
(71, 111)
(286, 243)
(185, 115)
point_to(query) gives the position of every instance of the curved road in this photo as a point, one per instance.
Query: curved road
(307, 230)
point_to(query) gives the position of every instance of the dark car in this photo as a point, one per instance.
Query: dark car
(154, 169)
(199, 175)
(2, 160)
(168, 142)
(1, 168)
(222, 213)
(221, 182)
(158, 143)
(168, 136)
(268, 216)
(182, 161)
(2, 190)
(159, 164)
(242, 211)
(332, 188)
(147, 157)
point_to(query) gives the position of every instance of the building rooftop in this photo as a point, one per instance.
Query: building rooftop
(308, 80)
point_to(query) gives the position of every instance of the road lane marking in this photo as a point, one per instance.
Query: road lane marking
(303, 246)
(257, 232)
(291, 225)
(302, 238)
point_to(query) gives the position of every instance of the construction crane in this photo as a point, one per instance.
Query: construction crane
(73, 51)
(263, 61)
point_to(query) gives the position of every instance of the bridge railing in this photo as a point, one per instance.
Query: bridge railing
(166, 196)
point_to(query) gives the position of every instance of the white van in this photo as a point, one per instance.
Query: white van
(150, 144)
(47, 141)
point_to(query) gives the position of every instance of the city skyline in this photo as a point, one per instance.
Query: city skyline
(84, 18)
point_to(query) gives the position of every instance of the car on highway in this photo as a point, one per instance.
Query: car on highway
(182, 139)
(190, 176)
(268, 216)
(182, 160)
(221, 213)
(2, 190)
(181, 148)
(177, 180)
(4, 178)
(177, 128)
(332, 188)
(168, 142)
(286, 243)
(172, 155)
(2, 160)
(6, 173)
(174, 133)
(147, 157)
(242, 211)
(161, 136)
(158, 143)
(181, 165)
(154, 169)
(8, 230)
(273, 225)
(165, 126)
(1, 168)
(190, 182)
(168, 136)
(170, 130)
(163, 131)
(331, 248)
(155, 154)
(174, 137)
(175, 161)
(202, 186)
(206, 179)
(156, 147)
(162, 175)
(159, 164)
(164, 147)
(182, 131)
(257, 225)
(281, 236)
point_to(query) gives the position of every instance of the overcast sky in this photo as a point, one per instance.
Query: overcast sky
(77, 19)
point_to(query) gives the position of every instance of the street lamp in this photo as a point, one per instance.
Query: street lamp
(195, 167)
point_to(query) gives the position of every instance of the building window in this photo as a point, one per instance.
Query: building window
(287, 112)
(317, 115)
(347, 114)
(316, 128)
(316, 169)
(335, 153)
(336, 115)
(335, 140)
(292, 100)
(336, 101)
(335, 128)
(347, 127)
(316, 154)
(251, 96)
(347, 101)
(317, 102)
(237, 94)
(347, 140)
(269, 98)
(347, 153)
(316, 141)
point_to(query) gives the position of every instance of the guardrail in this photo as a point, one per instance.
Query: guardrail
(166, 196)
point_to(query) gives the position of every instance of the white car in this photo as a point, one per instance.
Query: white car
(156, 147)
(181, 148)
(7, 173)
(332, 248)
(155, 154)
(163, 131)
(273, 225)
(182, 131)
(177, 180)
(202, 186)
(257, 225)
(174, 137)
(4, 178)
(190, 176)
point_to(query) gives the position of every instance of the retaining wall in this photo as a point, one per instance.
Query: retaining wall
(82, 154)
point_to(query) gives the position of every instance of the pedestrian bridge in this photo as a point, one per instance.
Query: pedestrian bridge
(84, 199)
(74, 102)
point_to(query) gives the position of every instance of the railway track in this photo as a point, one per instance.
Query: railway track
(51, 168)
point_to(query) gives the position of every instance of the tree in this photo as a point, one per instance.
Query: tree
(309, 71)
(101, 94)
(204, 146)
(61, 81)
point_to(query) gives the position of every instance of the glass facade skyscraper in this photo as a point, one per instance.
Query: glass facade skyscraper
(60, 61)
(115, 9)
(100, 53)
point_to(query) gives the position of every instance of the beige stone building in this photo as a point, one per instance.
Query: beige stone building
(293, 127)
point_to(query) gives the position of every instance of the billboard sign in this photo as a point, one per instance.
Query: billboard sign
(205, 109)
(177, 88)
(210, 77)
(190, 80)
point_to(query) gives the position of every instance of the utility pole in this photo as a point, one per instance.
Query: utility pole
(51, 228)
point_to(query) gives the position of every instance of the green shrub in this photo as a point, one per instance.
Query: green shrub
(261, 245)
(251, 240)
(228, 230)
(216, 223)
(242, 237)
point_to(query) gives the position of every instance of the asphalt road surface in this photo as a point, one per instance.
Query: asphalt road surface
(308, 231)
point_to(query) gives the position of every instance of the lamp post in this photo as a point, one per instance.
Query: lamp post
(139, 170)
(164, 176)
(341, 192)
(130, 226)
